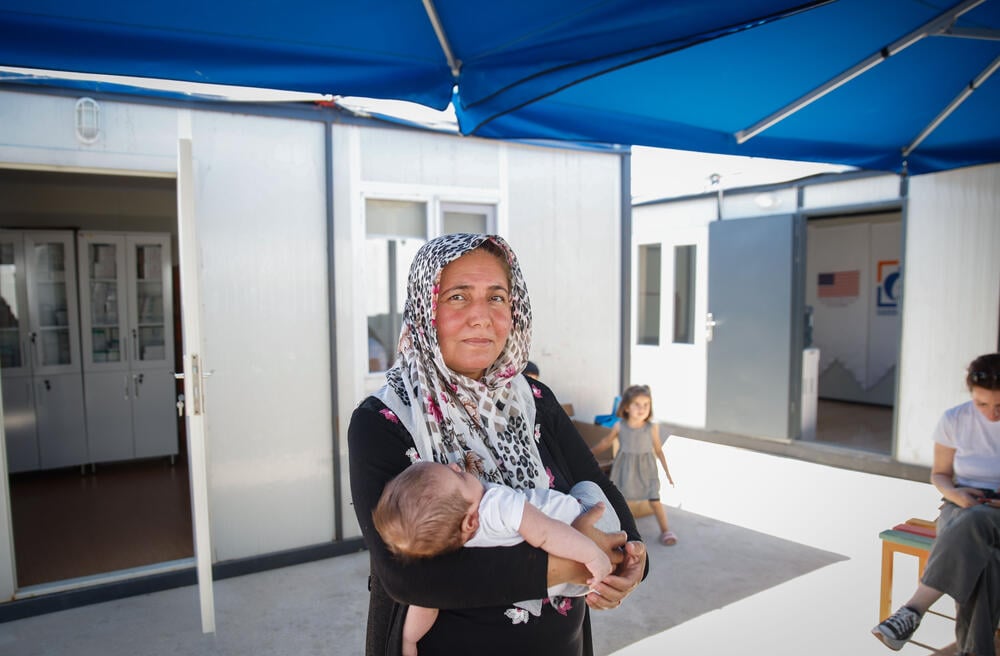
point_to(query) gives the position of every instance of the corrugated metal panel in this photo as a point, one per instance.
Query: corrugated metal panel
(950, 297)
(262, 221)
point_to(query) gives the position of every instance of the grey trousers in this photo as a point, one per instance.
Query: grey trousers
(965, 564)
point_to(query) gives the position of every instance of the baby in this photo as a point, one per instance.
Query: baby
(431, 509)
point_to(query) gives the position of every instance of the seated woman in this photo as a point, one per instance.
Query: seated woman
(456, 395)
(965, 560)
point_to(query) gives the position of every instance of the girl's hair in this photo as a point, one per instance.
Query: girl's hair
(984, 372)
(414, 519)
(629, 395)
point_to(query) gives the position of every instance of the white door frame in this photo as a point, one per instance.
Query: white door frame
(194, 371)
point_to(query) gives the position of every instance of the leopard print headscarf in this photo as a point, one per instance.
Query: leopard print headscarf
(487, 426)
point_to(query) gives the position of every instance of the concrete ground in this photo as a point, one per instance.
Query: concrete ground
(776, 556)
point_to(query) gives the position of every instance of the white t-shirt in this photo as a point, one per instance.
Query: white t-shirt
(501, 510)
(977, 446)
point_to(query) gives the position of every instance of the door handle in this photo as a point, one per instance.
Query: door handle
(710, 324)
(137, 379)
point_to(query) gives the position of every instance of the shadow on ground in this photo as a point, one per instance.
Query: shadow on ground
(712, 565)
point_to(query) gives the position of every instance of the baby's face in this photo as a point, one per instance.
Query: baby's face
(452, 478)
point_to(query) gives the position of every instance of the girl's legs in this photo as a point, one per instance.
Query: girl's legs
(666, 536)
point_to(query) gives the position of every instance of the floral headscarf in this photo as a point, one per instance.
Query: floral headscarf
(487, 426)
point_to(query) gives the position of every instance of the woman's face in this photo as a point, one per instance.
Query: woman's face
(987, 402)
(473, 312)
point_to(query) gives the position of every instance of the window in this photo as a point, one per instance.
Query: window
(684, 279)
(467, 217)
(649, 295)
(395, 230)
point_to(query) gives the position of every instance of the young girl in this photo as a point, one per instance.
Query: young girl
(634, 470)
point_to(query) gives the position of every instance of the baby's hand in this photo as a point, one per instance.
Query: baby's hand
(600, 567)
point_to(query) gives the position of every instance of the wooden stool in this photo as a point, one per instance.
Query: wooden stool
(914, 537)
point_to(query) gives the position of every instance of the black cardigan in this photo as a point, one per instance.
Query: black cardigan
(473, 587)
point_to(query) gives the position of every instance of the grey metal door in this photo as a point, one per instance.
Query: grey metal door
(755, 326)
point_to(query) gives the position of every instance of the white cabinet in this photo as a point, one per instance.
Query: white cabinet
(40, 351)
(128, 359)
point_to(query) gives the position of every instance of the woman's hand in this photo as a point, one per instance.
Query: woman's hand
(966, 497)
(610, 592)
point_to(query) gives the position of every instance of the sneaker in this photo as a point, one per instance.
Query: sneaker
(897, 629)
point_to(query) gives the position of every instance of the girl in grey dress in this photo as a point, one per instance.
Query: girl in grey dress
(634, 470)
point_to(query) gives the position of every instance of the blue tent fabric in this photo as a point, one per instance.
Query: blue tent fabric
(376, 48)
(722, 86)
(686, 74)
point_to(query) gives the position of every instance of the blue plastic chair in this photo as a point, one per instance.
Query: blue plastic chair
(609, 420)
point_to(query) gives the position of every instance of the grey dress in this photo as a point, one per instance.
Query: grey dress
(634, 471)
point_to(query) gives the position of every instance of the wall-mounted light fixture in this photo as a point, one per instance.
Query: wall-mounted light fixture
(88, 120)
(767, 200)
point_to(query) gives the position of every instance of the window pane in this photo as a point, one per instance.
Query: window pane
(395, 218)
(464, 222)
(385, 295)
(684, 275)
(649, 295)
(10, 336)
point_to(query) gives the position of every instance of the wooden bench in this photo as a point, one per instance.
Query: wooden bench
(592, 434)
(914, 537)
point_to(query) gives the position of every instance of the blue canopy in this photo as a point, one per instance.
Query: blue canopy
(903, 64)
(689, 74)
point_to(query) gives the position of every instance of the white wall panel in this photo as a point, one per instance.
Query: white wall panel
(262, 226)
(40, 130)
(759, 203)
(950, 296)
(421, 158)
(565, 227)
(859, 191)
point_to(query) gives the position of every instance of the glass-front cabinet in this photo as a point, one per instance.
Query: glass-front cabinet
(127, 319)
(40, 351)
(15, 367)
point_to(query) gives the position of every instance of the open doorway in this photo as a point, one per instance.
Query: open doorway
(117, 499)
(852, 292)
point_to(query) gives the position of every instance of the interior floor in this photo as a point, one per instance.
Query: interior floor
(854, 425)
(69, 523)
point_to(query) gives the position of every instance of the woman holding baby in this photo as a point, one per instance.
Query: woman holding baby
(456, 396)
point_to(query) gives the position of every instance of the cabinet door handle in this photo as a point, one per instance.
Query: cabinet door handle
(137, 378)
(126, 387)
(135, 345)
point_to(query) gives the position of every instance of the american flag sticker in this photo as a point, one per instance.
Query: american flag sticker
(838, 284)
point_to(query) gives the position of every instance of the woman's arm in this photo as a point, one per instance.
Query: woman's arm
(503, 575)
(943, 478)
(654, 435)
